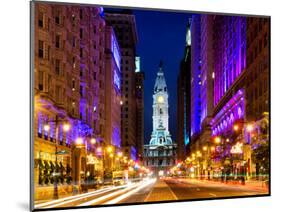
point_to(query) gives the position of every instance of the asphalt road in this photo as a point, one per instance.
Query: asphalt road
(152, 190)
(194, 190)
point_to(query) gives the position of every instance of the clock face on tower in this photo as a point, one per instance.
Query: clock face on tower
(160, 99)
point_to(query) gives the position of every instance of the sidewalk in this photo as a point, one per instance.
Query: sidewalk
(249, 184)
(160, 191)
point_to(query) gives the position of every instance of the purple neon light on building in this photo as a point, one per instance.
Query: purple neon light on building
(230, 54)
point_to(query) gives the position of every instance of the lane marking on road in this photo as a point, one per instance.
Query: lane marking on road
(124, 196)
(75, 197)
(214, 195)
(149, 194)
(102, 198)
(176, 198)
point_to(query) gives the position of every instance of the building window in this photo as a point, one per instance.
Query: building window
(57, 41)
(265, 40)
(81, 33)
(81, 52)
(57, 66)
(48, 53)
(40, 84)
(58, 91)
(73, 84)
(57, 19)
(49, 83)
(73, 62)
(81, 90)
(41, 19)
(41, 49)
(73, 41)
(81, 14)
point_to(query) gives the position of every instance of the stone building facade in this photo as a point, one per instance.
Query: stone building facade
(124, 25)
(69, 93)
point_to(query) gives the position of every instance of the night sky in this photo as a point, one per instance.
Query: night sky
(161, 37)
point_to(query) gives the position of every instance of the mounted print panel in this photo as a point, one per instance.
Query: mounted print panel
(138, 105)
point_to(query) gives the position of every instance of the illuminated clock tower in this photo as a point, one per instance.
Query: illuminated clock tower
(160, 153)
(160, 103)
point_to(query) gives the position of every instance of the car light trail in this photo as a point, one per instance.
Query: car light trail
(124, 196)
(109, 195)
(76, 197)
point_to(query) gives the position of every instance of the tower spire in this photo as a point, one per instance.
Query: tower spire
(161, 64)
(160, 67)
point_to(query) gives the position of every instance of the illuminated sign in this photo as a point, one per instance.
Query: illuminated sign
(237, 148)
(188, 37)
(116, 79)
(115, 51)
(91, 159)
(137, 64)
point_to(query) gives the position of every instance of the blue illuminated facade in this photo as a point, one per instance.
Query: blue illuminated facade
(195, 76)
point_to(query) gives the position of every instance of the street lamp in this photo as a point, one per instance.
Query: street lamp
(99, 150)
(79, 141)
(119, 154)
(93, 141)
(217, 139)
(109, 149)
(249, 128)
(66, 128)
(46, 127)
(236, 127)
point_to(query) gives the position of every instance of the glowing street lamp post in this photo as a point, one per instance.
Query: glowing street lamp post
(206, 150)
(92, 141)
(66, 128)
(249, 128)
(102, 150)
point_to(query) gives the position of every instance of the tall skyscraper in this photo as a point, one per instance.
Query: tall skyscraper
(183, 100)
(124, 25)
(160, 153)
(229, 87)
(195, 95)
(140, 109)
(206, 78)
(68, 88)
(112, 93)
(257, 63)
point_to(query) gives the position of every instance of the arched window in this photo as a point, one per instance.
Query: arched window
(239, 111)
(160, 111)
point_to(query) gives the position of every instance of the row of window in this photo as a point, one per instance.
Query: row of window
(262, 43)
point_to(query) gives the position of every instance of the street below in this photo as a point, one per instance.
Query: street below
(151, 190)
